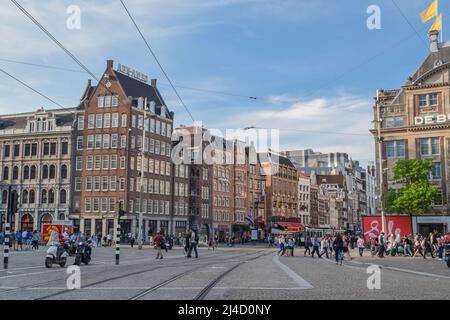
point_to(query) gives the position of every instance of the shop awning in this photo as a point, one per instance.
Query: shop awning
(291, 226)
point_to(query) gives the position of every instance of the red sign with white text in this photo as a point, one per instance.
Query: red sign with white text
(373, 226)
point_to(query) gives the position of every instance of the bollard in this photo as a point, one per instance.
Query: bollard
(118, 244)
(6, 247)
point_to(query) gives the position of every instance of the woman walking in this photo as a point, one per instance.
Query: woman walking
(308, 245)
(338, 246)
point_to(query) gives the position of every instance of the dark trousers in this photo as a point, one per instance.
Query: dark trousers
(307, 249)
(316, 249)
(338, 255)
(193, 247)
(361, 251)
(381, 251)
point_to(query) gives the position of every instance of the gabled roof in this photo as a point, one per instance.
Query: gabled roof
(442, 55)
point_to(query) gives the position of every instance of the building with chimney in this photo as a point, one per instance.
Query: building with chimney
(415, 124)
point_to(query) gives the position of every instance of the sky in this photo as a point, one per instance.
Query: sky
(314, 66)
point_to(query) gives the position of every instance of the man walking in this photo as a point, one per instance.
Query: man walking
(360, 243)
(193, 246)
(316, 246)
(158, 241)
(381, 242)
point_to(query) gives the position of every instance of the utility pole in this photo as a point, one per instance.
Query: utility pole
(141, 215)
(380, 163)
(13, 199)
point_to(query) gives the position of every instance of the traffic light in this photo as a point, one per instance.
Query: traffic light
(13, 203)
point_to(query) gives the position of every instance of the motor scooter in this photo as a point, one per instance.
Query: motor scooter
(56, 255)
(83, 253)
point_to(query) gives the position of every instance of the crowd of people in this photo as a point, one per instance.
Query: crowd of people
(339, 246)
(23, 240)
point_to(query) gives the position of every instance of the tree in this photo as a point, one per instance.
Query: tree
(418, 194)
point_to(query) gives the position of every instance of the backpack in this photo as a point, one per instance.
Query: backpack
(196, 237)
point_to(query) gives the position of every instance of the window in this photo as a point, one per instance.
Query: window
(44, 196)
(63, 171)
(52, 172)
(133, 142)
(105, 162)
(399, 122)
(89, 162)
(87, 204)
(436, 172)
(64, 148)
(51, 196)
(26, 172)
(152, 146)
(133, 121)
(123, 141)
(99, 120)
(114, 140)
(112, 204)
(433, 99)
(96, 183)
(95, 205)
(98, 141)
(124, 120)
(429, 144)
(6, 150)
(53, 148)
(27, 150)
(106, 120)
(158, 127)
(62, 196)
(78, 163)
(46, 149)
(106, 141)
(423, 100)
(107, 101)
(97, 162)
(122, 184)
(88, 183)
(77, 183)
(104, 183)
(122, 162)
(100, 102)
(115, 100)
(131, 184)
(16, 150)
(31, 197)
(91, 119)
(90, 142)
(112, 183)
(395, 149)
(33, 172)
(80, 143)
(34, 149)
(115, 120)
(113, 162)
(80, 123)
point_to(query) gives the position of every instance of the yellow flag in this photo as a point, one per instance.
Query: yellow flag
(430, 12)
(437, 25)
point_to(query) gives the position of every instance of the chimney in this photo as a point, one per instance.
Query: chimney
(434, 41)
(110, 64)
(153, 82)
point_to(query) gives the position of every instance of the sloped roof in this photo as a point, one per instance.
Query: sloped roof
(443, 54)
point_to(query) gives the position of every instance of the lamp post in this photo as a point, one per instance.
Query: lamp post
(380, 162)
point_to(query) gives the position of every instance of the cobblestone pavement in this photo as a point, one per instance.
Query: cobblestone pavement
(240, 272)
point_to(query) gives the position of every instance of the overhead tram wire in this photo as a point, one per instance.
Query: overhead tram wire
(380, 53)
(59, 44)
(59, 68)
(312, 131)
(36, 91)
(157, 61)
(409, 23)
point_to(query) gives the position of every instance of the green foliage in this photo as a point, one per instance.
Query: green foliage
(418, 194)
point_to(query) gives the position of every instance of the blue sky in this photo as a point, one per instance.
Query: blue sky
(309, 62)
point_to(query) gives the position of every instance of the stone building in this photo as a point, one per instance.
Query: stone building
(36, 160)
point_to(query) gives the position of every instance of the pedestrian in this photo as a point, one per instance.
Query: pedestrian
(316, 246)
(19, 240)
(187, 243)
(157, 241)
(193, 246)
(35, 240)
(338, 245)
(109, 238)
(132, 240)
(282, 246)
(427, 246)
(307, 246)
(408, 244)
(440, 246)
(324, 246)
(99, 239)
(346, 248)
(381, 244)
(360, 243)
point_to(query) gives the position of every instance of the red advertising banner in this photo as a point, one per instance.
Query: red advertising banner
(373, 226)
(48, 228)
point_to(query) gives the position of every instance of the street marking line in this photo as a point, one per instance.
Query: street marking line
(302, 283)
(25, 274)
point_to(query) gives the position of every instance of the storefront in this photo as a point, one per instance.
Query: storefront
(222, 231)
(427, 224)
